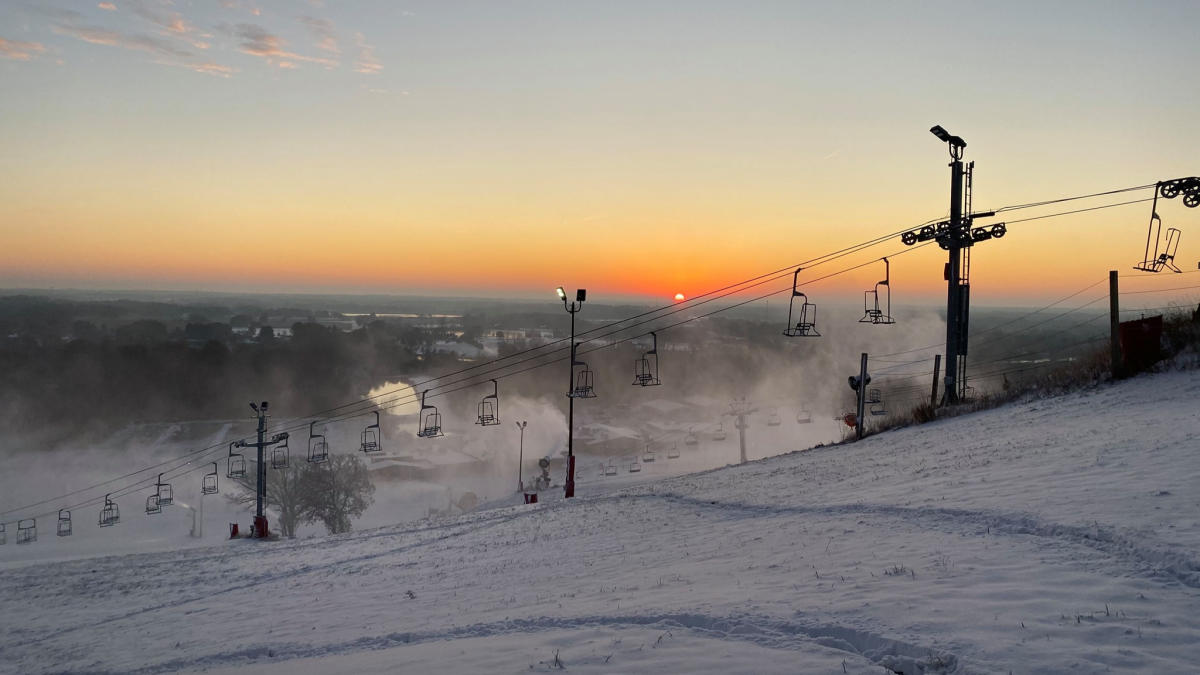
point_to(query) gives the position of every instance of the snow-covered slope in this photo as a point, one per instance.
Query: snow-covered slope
(1058, 535)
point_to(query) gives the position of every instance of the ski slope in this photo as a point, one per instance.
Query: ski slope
(1053, 535)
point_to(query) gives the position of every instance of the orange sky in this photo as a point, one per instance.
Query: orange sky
(486, 154)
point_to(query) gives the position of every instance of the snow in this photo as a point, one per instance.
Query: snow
(1050, 535)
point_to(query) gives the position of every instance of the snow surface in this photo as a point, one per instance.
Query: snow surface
(1054, 535)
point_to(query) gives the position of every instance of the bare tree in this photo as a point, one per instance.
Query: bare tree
(337, 491)
(285, 494)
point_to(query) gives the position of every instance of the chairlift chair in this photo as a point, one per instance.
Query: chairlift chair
(27, 531)
(648, 456)
(773, 419)
(489, 408)
(645, 369)
(64, 523)
(1157, 257)
(634, 467)
(235, 465)
(874, 396)
(152, 505)
(371, 437)
(806, 319)
(280, 453)
(877, 408)
(610, 470)
(804, 416)
(583, 379)
(318, 449)
(673, 453)
(208, 486)
(691, 438)
(872, 311)
(111, 514)
(3, 534)
(719, 434)
(163, 490)
(431, 420)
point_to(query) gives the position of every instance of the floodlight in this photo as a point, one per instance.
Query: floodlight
(581, 295)
(941, 133)
(561, 293)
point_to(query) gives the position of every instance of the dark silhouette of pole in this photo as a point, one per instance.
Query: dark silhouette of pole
(260, 520)
(937, 363)
(953, 284)
(572, 308)
(1114, 324)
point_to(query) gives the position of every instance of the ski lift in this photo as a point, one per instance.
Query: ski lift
(874, 396)
(164, 492)
(280, 453)
(489, 408)
(691, 438)
(877, 408)
(645, 369)
(318, 449)
(719, 434)
(64, 523)
(208, 485)
(152, 505)
(235, 465)
(431, 420)
(673, 453)
(27, 531)
(371, 437)
(648, 456)
(583, 379)
(806, 320)
(3, 534)
(872, 312)
(804, 416)
(634, 467)
(610, 470)
(109, 515)
(1157, 257)
(773, 419)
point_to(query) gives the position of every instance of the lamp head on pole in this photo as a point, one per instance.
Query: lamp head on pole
(956, 143)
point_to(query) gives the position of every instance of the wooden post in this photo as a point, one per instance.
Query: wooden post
(937, 364)
(1114, 324)
(862, 396)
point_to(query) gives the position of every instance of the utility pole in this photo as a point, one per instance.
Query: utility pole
(573, 307)
(863, 381)
(739, 410)
(937, 364)
(521, 457)
(260, 520)
(1114, 324)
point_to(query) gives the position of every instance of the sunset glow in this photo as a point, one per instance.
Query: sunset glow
(480, 152)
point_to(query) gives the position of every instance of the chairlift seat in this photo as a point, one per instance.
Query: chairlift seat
(635, 467)
(111, 514)
(152, 505)
(3, 534)
(27, 531)
(610, 470)
(209, 484)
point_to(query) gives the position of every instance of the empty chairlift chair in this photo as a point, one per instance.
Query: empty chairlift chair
(610, 470)
(280, 453)
(3, 534)
(372, 440)
(773, 418)
(806, 319)
(645, 369)
(875, 401)
(64, 523)
(719, 434)
(430, 422)
(691, 438)
(165, 496)
(235, 464)
(648, 456)
(582, 377)
(318, 449)
(804, 416)
(634, 467)
(873, 311)
(27, 531)
(208, 485)
(110, 514)
(673, 453)
(1158, 257)
(489, 408)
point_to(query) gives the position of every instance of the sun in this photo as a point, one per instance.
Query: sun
(679, 297)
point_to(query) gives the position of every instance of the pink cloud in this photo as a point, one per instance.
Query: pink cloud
(256, 41)
(367, 62)
(20, 51)
(107, 6)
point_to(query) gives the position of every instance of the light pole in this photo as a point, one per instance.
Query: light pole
(521, 457)
(572, 308)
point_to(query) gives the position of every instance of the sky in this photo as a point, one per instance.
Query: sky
(638, 149)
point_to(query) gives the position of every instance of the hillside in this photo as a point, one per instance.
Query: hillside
(1056, 535)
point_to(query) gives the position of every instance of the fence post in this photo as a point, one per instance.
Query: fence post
(1114, 324)
(937, 365)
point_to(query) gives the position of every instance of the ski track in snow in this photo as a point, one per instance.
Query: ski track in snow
(1046, 536)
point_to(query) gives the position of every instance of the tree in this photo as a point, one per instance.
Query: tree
(285, 493)
(337, 491)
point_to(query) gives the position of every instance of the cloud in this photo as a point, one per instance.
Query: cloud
(257, 41)
(107, 6)
(112, 38)
(20, 51)
(171, 24)
(322, 30)
(238, 4)
(367, 62)
(163, 47)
